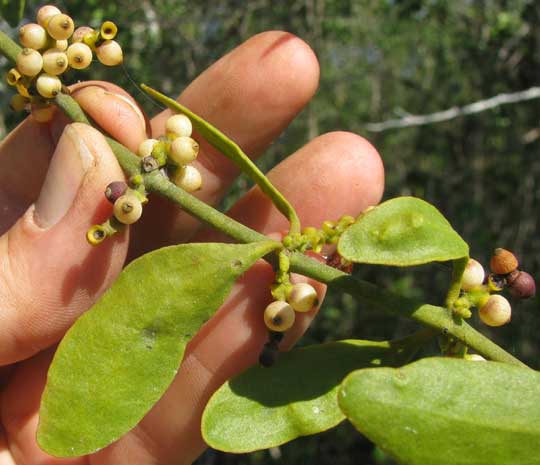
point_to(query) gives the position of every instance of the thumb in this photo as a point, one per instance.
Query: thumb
(49, 274)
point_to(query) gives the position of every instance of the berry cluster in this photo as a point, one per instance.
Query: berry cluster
(174, 152)
(127, 209)
(170, 154)
(47, 55)
(279, 316)
(479, 290)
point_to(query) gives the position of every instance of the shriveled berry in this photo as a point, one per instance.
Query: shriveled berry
(179, 125)
(269, 355)
(79, 55)
(114, 190)
(96, 234)
(55, 61)
(13, 77)
(521, 284)
(45, 13)
(127, 209)
(33, 36)
(60, 26)
(110, 53)
(29, 62)
(188, 178)
(496, 282)
(473, 276)
(496, 311)
(48, 85)
(303, 297)
(108, 30)
(279, 316)
(503, 261)
(183, 150)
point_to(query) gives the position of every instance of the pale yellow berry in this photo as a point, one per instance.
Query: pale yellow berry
(55, 61)
(48, 85)
(61, 45)
(34, 36)
(18, 102)
(303, 297)
(188, 178)
(60, 27)
(29, 62)
(183, 150)
(80, 32)
(110, 53)
(180, 125)
(496, 311)
(127, 209)
(279, 316)
(79, 55)
(146, 147)
(45, 13)
(473, 276)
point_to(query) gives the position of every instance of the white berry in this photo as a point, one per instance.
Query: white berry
(279, 316)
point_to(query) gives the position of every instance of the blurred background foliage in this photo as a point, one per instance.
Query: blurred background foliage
(379, 60)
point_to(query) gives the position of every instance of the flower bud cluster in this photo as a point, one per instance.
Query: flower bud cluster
(127, 209)
(174, 152)
(314, 239)
(480, 290)
(47, 54)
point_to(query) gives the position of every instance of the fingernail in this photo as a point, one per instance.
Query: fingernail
(124, 100)
(71, 161)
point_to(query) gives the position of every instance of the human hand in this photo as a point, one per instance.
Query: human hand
(51, 275)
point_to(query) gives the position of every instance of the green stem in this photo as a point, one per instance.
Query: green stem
(367, 294)
(8, 48)
(377, 299)
(455, 286)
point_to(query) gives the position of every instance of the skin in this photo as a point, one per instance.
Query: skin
(251, 94)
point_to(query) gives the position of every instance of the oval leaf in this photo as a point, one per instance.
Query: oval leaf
(266, 407)
(120, 357)
(444, 411)
(404, 231)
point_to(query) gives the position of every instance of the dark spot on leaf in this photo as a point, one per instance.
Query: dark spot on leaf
(148, 336)
(236, 263)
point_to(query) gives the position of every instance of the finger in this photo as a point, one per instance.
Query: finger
(251, 95)
(50, 273)
(26, 152)
(340, 174)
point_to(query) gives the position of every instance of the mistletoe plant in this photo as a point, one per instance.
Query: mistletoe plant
(120, 357)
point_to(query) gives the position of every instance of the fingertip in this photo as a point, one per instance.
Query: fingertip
(114, 110)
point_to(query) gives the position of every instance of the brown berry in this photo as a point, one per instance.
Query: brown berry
(503, 261)
(521, 284)
(114, 190)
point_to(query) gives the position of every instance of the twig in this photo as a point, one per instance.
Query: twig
(439, 116)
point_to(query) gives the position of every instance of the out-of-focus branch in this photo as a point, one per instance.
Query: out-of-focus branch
(439, 116)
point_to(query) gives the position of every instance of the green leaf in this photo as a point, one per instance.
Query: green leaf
(404, 231)
(266, 407)
(12, 11)
(120, 357)
(443, 411)
(232, 151)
